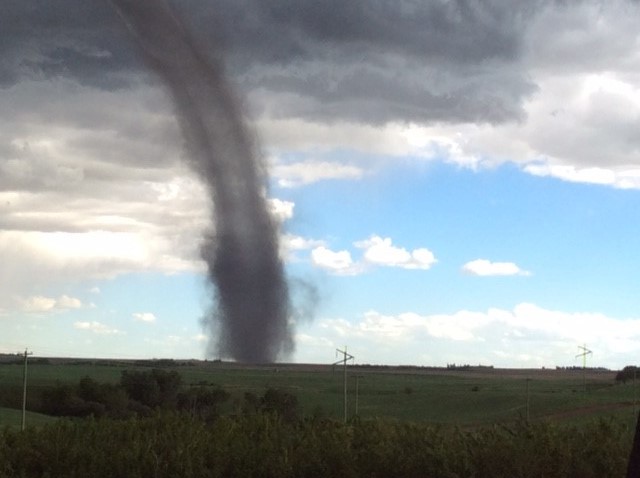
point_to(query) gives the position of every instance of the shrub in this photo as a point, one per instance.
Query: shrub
(202, 402)
(627, 373)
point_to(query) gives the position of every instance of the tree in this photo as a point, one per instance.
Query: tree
(281, 403)
(169, 385)
(157, 388)
(63, 400)
(202, 402)
(627, 373)
(141, 387)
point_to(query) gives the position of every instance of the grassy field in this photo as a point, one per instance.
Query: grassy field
(461, 397)
(13, 418)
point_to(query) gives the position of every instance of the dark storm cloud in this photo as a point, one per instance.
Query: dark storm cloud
(286, 31)
(42, 39)
(364, 60)
(378, 61)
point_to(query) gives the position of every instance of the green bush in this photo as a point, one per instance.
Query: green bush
(630, 372)
(157, 388)
(138, 393)
(202, 402)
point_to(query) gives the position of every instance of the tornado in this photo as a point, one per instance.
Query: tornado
(251, 304)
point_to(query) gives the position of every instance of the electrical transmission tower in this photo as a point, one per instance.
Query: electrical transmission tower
(345, 358)
(585, 352)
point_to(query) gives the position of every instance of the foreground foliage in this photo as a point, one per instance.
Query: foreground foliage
(265, 444)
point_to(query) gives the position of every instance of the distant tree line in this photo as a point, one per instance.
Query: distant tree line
(453, 366)
(580, 367)
(144, 393)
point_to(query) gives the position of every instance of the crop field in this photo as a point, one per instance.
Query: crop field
(463, 397)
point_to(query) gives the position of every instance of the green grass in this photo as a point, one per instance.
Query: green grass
(10, 417)
(463, 398)
(45, 375)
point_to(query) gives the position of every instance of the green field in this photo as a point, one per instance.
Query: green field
(13, 418)
(461, 397)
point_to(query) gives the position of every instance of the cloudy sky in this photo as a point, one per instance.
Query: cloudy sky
(457, 182)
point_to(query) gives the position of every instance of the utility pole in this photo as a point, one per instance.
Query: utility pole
(528, 401)
(24, 388)
(345, 358)
(585, 352)
(358, 377)
(357, 382)
(635, 389)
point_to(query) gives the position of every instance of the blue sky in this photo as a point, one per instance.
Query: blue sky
(462, 193)
(559, 234)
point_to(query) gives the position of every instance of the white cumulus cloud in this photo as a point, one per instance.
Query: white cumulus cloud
(96, 328)
(40, 304)
(380, 251)
(377, 251)
(338, 262)
(299, 243)
(144, 317)
(291, 243)
(525, 336)
(310, 171)
(484, 267)
(281, 209)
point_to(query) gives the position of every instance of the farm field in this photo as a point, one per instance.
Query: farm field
(13, 418)
(463, 397)
(413, 421)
